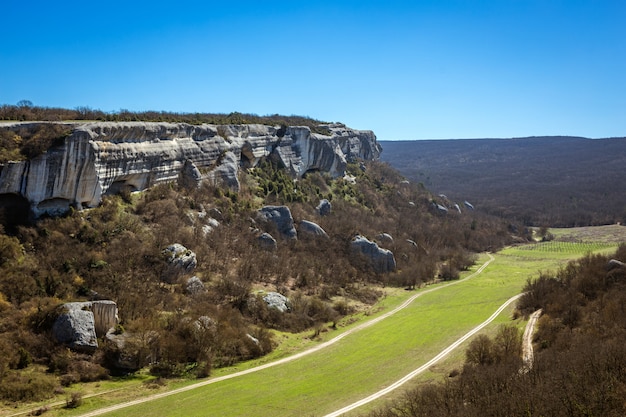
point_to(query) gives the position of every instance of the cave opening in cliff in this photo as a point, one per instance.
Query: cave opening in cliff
(14, 212)
(247, 156)
(121, 187)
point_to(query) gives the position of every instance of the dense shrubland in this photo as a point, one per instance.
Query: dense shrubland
(580, 356)
(114, 252)
(30, 141)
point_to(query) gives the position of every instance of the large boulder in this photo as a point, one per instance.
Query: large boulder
(279, 216)
(311, 229)
(277, 301)
(81, 323)
(381, 260)
(180, 257)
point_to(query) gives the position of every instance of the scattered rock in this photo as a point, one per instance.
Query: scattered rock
(211, 225)
(311, 229)
(614, 264)
(216, 213)
(324, 207)
(267, 242)
(441, 209)
(194, 286)
(281, 217)
(253, 339)
(385, 238)
(205, 324)
(381, 260)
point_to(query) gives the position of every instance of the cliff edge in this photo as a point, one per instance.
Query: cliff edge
(103, 158)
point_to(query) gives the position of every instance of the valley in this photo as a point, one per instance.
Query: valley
(363, 361)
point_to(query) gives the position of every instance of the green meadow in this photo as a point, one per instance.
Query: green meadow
(374, 357)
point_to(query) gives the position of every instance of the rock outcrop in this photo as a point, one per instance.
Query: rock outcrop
(180, 260)
(277, 301)
(381, 260)
(280, 217)
(81, 323)
(109, 157)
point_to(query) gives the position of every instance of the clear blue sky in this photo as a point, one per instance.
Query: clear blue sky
(406, 70)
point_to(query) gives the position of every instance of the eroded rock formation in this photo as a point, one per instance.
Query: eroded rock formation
(281, 218)
(109, 157)
(81, 323)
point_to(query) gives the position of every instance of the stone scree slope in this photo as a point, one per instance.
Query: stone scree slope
(103, 158)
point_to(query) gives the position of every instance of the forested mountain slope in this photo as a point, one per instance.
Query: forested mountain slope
(558, 181)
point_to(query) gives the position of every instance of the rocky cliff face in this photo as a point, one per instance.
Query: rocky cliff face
(106, 158)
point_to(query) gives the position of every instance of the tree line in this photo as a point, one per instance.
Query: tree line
(26, 111)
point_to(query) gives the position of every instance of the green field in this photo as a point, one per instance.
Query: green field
(372, 358)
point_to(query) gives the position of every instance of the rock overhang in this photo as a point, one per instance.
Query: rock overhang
(97, 158)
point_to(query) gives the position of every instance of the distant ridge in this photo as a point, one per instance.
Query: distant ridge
(540, 180)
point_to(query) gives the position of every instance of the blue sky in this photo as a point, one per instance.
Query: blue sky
(406, 70)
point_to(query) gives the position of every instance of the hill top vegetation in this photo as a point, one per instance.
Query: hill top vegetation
(26, 111)
(115, 251)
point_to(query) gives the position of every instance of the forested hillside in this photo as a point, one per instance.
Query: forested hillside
(556, 181)
(187, 322)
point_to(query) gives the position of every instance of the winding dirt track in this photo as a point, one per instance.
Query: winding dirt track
(318, 348)
(527, 342)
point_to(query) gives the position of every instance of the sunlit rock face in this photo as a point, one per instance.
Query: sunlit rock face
(103, 158)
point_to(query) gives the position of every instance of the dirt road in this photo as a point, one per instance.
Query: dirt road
(527, 342)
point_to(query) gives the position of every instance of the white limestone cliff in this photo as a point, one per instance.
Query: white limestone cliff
(108, 157)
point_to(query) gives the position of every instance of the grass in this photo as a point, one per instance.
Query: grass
(366, 361)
